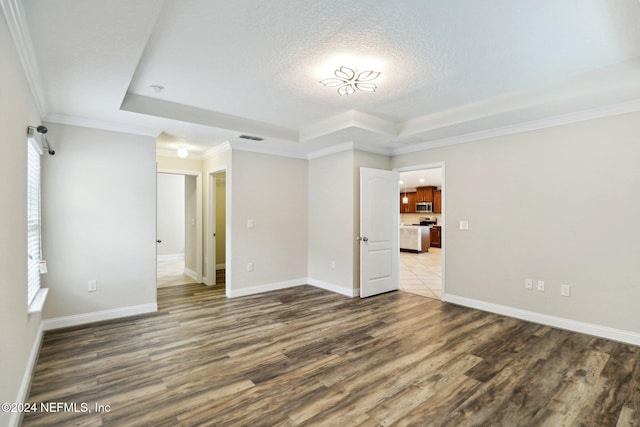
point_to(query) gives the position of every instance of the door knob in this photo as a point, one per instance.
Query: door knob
(158, 241)
(364, 239)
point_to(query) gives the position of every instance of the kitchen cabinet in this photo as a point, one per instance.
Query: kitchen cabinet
(437, 201)
(411, 206)
(436, 236)
(414, 238)
(424, 194)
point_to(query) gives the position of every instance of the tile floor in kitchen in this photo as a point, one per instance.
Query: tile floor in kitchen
(422, 273)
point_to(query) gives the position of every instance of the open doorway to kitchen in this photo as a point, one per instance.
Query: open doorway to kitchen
(421, 224)
(179, 228)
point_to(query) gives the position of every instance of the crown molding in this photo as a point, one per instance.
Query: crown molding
(206, 155)
(282, 152)
(218, 149)
(548, 122)
(17, 23)
(100, 124)
(347, 146)
(360, 146)
(331, 150)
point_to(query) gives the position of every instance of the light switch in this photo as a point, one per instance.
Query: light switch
(464, 224)
(249, 223)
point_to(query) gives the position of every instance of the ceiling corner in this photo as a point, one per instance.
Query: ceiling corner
(15, 16)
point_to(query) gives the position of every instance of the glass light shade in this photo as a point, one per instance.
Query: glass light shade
(182, 152)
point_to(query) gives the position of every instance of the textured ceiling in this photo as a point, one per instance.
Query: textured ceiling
(449, 68)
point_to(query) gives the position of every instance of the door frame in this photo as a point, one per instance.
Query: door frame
(443, 234)
(211, 221)
(198, 175)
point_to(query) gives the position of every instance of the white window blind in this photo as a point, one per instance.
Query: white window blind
(34, 251)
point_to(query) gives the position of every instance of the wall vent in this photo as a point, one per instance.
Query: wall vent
(253, 138)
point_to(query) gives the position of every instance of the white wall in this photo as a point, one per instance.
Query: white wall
(559, 205)
(331, 225)
(99, 208)
(171, 214)
(190, 222)
(221, 218)
(19, 332)
(271, 191)
(334, 218)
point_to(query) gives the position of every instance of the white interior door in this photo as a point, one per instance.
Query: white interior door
(379, 229)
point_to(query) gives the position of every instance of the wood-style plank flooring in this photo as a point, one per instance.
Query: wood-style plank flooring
(308, 357)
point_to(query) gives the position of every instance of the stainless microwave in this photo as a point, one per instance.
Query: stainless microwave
(424, 207)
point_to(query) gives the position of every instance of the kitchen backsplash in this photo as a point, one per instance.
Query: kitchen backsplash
(414, 218)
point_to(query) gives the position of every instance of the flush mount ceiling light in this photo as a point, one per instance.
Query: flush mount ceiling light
(182, 152)
(156, 88)
(347, 80)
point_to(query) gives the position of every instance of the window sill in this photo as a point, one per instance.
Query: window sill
(38, 302)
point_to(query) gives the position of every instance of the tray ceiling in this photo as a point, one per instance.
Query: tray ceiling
(449, 69)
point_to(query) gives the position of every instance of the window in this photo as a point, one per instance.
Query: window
(34, 251)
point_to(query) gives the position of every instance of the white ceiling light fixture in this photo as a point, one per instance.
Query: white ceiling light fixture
(347, 80)
(156, 88)
(182, 152)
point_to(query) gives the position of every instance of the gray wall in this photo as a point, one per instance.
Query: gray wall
(271, 191)
(99, 204)
(559, 205)
(18, 330)
(331, 227)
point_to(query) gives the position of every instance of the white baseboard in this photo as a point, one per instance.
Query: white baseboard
(25, 384)
(333, 288)
(205, 280)
(293, 283)
(233, 293)
(98, 316)
(221, 266)
(189, 272)
(545, 319)
(170, 257)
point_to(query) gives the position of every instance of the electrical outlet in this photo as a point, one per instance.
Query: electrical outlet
(565, 290)
(92, 286)
(250, 266)
(541, 285)
(333, 265)
(528, 283)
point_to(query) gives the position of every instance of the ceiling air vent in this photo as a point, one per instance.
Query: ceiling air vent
(253, 138)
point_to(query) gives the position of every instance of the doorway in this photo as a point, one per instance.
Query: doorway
(217, 230)
(179, 228)
(421, 238)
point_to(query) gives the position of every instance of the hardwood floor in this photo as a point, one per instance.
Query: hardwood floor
(305, 356)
